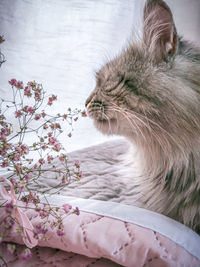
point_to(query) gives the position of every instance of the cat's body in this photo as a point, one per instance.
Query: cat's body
(150, 94)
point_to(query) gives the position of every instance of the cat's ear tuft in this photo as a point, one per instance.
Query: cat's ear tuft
(159, 31)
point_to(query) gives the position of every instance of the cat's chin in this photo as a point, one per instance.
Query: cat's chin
(105, 126)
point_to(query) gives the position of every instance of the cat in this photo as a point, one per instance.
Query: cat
(150, 94)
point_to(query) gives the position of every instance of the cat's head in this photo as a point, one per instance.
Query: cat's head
(151, 90)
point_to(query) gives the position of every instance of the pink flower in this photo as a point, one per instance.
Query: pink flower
(27, 91)
(49, 158)
(16, 157)
(51, 99)
(57, 147)
(2, 117)
(26, 254)
(45, 127)
(3, 152)
(35, 166)
(67, 208)
(2, 137)
(83, 113)
(25, 149)
(9, 207)
(5, 163)
(21, 185)
(18, 168)
(62, 157)
(52, 140)
(50, 102)
(31, 84)
(13, 181)
(19, 85)
(28, 176)
(11, 248)
(57, 125)
(13, 82)
(77, 164)
(18, 114)
(80, 174)
(54, 97)
(60, 232)
(30, 110)
(37, 117)
(44, 147)
(41, 229)
(43, 114)
(41, 161)
(37, 96)
(77, 211)
(65, 180)
(75, 119)
(8, 222)
(43, 213)
(5, 130)
(22, 149)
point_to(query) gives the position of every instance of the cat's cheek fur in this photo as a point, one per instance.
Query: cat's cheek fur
(116, 126)
(107, 127)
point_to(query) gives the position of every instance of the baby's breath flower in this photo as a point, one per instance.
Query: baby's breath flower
(67, 208)
(27, 91)
(13, 82)
(62, 157)
(83, 113)
(26, 254)
(14, 154)
(77, 211)
(60, 232)
(41, 161)
(19, 85)
(18, 114)
(11, 248)
(9, 207)
(37, 117)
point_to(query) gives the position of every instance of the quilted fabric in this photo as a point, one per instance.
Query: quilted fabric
(106, 172)
(99, 237)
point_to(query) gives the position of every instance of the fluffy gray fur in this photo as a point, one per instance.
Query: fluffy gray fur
(150, 94)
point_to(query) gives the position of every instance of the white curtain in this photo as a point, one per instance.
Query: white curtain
(60, 43)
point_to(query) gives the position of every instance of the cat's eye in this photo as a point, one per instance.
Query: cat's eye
(131, 85)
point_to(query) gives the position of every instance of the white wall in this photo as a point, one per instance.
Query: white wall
(60, 43)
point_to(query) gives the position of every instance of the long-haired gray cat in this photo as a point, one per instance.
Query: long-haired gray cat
(150, 94)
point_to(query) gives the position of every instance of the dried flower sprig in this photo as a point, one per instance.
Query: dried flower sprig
(27, 162)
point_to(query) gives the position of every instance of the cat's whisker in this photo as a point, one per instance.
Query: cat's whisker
(131, 122)
(147, 126)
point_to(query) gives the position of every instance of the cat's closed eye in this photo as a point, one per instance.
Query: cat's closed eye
(131, 86)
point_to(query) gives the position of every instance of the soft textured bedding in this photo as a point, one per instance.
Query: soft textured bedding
(107, 233)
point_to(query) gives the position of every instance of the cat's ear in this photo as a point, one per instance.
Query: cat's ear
(159, 31)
